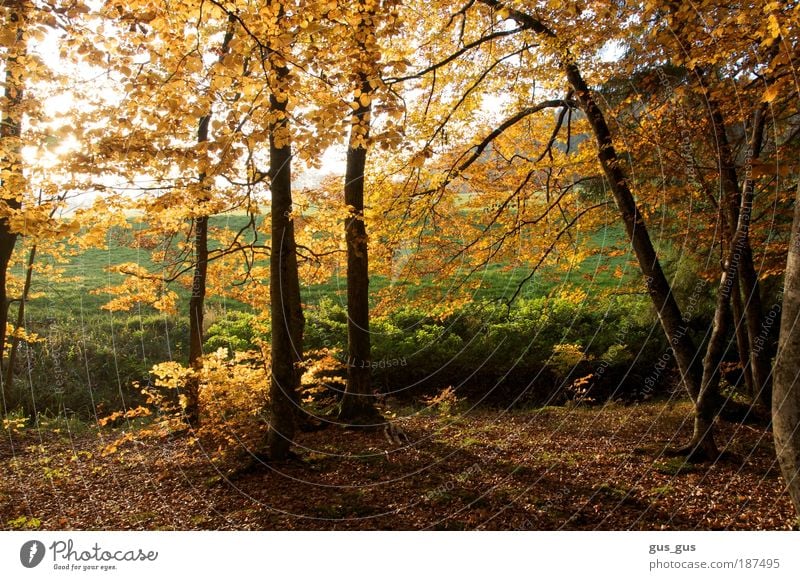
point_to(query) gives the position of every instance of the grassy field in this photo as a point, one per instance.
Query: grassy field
(88, 272)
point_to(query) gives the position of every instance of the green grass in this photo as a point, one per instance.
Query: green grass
(88, 272)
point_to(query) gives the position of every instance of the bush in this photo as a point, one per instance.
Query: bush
(237, 331)
(483, 349)
(233, 399)
(486, 349)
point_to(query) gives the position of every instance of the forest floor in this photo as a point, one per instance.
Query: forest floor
(553, 468)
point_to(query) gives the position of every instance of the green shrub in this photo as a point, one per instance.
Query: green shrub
(236, 332)
(482, 348)
(86, 369)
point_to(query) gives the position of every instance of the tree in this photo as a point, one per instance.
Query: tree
(702, 444)
(12, 180)
(31, 193)
(196, 154)
(200, 275)
(753, 49)
(285, 306)
(786, 393)
(564, 49)
(357, 406)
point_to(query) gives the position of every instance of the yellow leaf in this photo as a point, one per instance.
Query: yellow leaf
(774, 26)
(770, 94)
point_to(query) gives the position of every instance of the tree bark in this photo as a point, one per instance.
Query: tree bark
(283, 274)
(11, 164)
(297, 328)
(191, 407)
(759, 357)
(742, 340)
(702, 387)
(8, 240)
(357, 405)
(739, 204)
(702, 446)
(196, 313)
(786, 387)
(12, 353)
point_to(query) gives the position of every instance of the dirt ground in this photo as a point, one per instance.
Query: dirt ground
(546, 469)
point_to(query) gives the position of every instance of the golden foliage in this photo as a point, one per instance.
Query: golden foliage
(233, 399)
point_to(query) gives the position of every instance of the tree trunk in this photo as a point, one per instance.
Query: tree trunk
(658, 286)
(759, 357)
(12, 353)
(786, 387)
(11, 165)
(283, 273)
(703, 388)
(196, 311)
(298, 324)
(8, 240)
(742, 340)
(739, 204)
(702, 445)
(191, 408)
(357, 404)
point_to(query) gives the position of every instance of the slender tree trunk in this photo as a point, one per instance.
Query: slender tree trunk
(703, 387)
(297, 329)
(739, 214)
(8, 240)
(200, 275)
(11, 165)
(658, 286)
(731, 206)
(742, 340)
(196, 312)
(12, 353)
(357, 404)
(738, 210)
(283, 273)
(702, 445)
(786, 391)
(759, 357)
(197, 299)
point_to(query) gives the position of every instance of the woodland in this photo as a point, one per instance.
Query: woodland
(391, 264)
